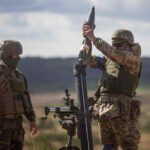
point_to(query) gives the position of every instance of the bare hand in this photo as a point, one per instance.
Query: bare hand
(88, 32)
(33, 128)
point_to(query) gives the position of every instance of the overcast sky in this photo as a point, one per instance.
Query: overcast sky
(52, 28)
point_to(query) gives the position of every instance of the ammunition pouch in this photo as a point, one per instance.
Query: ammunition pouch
(116, 79)
(18, 85)
(18, 100)
(9, 123)
(14, 98)
(135, 110)
(112, 106)
(108, 107)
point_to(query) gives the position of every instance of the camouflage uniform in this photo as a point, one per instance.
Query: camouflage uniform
(14, 99)
(118, 111)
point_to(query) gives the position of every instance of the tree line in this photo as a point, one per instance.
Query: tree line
(55, 74)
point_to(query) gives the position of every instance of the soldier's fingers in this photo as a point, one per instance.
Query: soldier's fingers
(86, 27)
(84, 35)
(33, 128)
(34, 131)
(88, 31)
(85, 32)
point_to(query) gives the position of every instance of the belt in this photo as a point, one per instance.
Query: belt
(9, 116)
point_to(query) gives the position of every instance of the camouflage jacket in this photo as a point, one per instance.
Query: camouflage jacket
(129, 58)
(7, 92)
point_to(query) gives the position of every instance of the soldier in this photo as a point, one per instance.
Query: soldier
(117, 110)
(14, 98)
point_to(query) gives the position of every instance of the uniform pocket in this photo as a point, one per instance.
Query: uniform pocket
(124, 103)
(108, 108)
(135, 110)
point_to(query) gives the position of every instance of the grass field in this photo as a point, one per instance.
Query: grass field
(50, 135)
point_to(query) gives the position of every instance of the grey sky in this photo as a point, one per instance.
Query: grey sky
(53, 27)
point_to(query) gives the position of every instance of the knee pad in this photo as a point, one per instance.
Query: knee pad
(107, 147)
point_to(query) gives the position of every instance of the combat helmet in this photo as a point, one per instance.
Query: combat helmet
(123, 35)
(9, 47)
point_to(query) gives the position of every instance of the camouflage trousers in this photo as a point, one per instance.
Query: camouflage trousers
(118, 122)
(11, 134)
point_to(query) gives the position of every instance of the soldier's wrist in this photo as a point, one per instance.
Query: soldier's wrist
(93, 39)
(96, 41)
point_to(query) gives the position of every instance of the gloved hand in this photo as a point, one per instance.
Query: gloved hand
(88, 32)
(94, 112)
(92, 100)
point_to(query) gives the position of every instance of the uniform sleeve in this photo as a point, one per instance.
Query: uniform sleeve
(3, 84)
(29, 113)
(91, 61)
(96, 62)
(129, 59)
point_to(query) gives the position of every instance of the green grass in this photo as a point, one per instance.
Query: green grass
(51, 136)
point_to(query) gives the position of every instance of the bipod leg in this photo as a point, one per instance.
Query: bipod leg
(69, 146)
(69, 141)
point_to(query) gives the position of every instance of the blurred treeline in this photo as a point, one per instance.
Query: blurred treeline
(56, 74)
